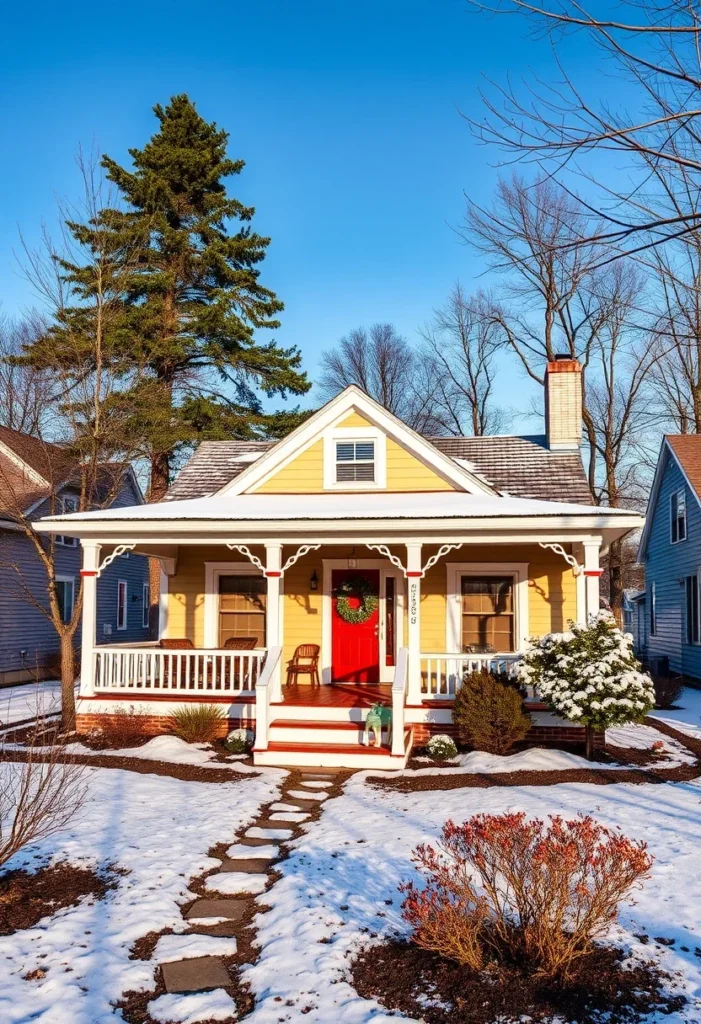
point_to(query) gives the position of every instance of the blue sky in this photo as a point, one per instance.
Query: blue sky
(347, 116)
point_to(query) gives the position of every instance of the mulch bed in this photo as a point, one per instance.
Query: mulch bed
(431, 988)
(183, 772)
(25, 898)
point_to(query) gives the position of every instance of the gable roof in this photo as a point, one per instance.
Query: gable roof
(521, 466)
(685, 450)
(353, 400)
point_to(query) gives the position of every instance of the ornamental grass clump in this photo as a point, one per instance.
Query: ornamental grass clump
(198, 724)
(502, 889)
(590, 676)
(488, 712)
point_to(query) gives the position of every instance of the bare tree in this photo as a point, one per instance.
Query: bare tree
(39, 794)
(89, 456)
(26, 394)
(383, 364)
(656, 47)
(461, 343)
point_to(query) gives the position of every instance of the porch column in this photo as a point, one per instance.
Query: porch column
(89, 572)
(273, 574)
(592, 575)
(413, 576)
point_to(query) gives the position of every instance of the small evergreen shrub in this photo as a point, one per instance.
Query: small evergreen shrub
(668, 690)
(239, 741)
(504, 889)
(199, 723)
(441, 748)
(488, 712)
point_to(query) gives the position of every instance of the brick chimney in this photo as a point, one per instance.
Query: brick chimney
(563, 404)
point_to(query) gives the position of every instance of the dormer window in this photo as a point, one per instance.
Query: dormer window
(355, 462)
(678, 516)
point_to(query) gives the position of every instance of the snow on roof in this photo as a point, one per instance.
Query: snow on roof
(440, 505)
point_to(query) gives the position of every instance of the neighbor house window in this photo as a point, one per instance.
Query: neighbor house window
(65, 595)
(488, 620)
(242, 608)
(121, 604)
(355, 462)
(653, 610)
(66, 505)
(678, 515)
(692, 609)
(146, 605)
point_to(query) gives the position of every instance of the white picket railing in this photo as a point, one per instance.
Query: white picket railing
(265, 692)
(442, 674)
(154, 669)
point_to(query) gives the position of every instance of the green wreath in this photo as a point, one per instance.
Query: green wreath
(362, 588)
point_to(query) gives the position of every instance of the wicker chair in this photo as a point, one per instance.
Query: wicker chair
(240, 643)
(305, 661)
(176, 644)
(175, 666)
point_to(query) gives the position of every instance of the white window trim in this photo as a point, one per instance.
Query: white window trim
(453, 620)
(672, 520)
(120, 584)
(145, 605)
(329, 564)
(212, 572)
(71, 580)
(69, 542)
(652, 616)
(357, 435)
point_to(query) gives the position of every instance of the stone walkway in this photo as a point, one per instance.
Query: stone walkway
(219, 918)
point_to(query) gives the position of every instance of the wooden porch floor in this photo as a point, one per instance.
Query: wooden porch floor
(337, 695)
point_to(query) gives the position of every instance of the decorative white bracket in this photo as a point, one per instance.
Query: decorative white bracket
(243, 550)
(384, 550)
(559, 550)
(299, 553)
(119, 550)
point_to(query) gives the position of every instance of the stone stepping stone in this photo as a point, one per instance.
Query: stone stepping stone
(306, 795)
(187, 946)
(267, 830)
(251, 842)
(230, 910)
(294, 816)
(233, 882)
(221, 930)
(198, 974)
(258, 849)
(316, 783)
(250, 865)
(215, 1004)
(292, 806)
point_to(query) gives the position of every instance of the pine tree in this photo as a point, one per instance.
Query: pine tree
(193, 301)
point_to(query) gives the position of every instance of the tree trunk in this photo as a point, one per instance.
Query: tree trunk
(160, 476)
(589, 742)
(67, 683)
(615, 559)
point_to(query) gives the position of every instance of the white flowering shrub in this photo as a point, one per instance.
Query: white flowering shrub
(441, 748)
(590, 675)
(239, 741)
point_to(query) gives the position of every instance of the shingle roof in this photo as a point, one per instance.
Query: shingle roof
(520, 466)
(687, 448)
(18, 488)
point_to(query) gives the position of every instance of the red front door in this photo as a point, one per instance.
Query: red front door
(355, 647)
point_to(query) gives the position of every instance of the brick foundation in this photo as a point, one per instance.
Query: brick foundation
(151, 725)
(537, 736)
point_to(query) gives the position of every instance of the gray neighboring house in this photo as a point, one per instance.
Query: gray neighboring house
(668, 612)
(30, 471)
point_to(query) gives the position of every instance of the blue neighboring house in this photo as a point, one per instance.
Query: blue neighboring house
(31, 471)
(667, 618)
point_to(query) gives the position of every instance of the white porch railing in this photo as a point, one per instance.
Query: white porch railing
(154, 669)
(265, 692)
(442, 674)
(399, 695)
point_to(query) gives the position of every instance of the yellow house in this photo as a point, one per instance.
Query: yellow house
(354, 562)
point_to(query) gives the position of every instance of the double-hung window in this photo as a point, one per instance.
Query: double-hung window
(67, 504)
(355, 462)
(653, 609)
(65, 595)
(488, 619)
(121, 604)
(146, 605)
(693, 632)
(678, 516)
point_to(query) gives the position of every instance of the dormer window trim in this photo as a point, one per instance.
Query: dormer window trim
(355, 436)
(677, 516)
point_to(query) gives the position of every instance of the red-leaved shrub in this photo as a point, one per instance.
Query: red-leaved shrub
(503, 887)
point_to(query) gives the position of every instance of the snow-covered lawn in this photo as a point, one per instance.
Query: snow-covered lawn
(157, 828)
(339, 886)
(18, 703)
(688, 718)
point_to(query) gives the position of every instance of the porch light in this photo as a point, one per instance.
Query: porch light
(314, 581)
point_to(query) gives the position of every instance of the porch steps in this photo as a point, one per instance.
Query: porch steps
(326, 745)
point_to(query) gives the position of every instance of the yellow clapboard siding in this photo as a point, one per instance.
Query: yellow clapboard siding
(355, 420)
(304, 475)
(407, 473)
